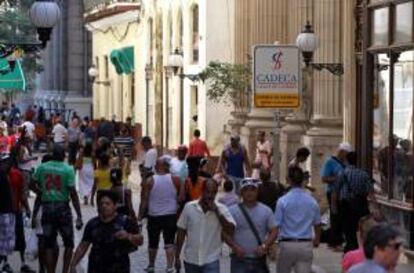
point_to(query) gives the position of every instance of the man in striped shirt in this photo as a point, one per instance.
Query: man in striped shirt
(352, 188)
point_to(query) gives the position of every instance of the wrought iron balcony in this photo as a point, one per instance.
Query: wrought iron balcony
(91, 5)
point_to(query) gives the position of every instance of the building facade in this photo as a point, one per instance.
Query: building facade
(64, 85)
(169, 104)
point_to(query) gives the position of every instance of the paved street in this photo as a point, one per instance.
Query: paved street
(325, 260)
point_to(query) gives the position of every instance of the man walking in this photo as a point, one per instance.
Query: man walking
(160, 199)
(201, 225)
(179, 165)
(59, 132)
(147, 167)
(382, 249)
(297, 216)
(198, 147)
(234, 162)
(330, 171)
(352, 190)
(55, 182)
(255, 231)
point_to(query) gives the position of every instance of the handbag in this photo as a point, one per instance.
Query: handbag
(263, 259)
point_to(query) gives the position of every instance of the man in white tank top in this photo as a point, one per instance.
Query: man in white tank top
(160, 199)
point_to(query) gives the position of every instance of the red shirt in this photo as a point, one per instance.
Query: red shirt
(198, 147)
(16, 185)
(4, 144)
(12, 141)
(352, 258)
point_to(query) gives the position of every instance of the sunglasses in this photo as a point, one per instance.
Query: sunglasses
(395, 246)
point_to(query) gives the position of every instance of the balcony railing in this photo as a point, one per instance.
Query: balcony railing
(90, 5)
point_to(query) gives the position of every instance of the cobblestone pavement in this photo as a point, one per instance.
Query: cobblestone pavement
(324, 260)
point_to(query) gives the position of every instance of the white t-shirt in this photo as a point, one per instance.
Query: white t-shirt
(59, 133)
(29, 128)
(150, 158)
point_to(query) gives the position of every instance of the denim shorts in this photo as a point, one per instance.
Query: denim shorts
(57, 218)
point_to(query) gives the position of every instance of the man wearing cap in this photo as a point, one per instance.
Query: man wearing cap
(330, 171)
(298, 225)
(249, 247)
(234, 161)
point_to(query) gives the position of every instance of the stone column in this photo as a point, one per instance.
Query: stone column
(349, 83)
(326, 131)
(268, 23)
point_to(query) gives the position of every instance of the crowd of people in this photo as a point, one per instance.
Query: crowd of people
(195, 209)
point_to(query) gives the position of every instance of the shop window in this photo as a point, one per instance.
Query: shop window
(379, 26)
(381, 125)
(403, 23)
(403, 126)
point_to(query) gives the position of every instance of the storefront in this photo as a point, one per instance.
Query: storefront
(385, 84)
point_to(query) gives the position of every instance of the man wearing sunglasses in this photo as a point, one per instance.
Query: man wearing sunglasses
(382, 248)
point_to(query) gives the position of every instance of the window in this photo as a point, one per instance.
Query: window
(403, 23)
(195, 31)
(171, 39)
(379, 24)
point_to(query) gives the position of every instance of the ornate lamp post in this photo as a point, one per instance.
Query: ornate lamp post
(308, 42)
(44, 14)
(175, 61)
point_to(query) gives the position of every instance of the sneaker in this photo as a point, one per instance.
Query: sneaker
(170, 270)
(150, 269)
(26, 269)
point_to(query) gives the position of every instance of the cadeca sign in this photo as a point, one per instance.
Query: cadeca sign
(276, 76)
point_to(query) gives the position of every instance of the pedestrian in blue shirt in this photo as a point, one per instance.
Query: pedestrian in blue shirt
(330, 172)
(382, 249)
(298, 222)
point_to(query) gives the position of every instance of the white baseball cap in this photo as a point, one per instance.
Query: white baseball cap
(345, 146)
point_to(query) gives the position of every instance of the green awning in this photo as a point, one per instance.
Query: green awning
(11, 79)
(123, 60)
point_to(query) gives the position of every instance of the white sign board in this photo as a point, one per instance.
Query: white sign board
(276, 76)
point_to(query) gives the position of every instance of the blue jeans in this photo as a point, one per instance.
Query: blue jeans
(246, 265)
(213, 267)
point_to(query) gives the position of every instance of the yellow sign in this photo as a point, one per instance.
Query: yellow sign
(276, 76)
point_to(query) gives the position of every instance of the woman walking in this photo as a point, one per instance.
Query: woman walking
(86, 172)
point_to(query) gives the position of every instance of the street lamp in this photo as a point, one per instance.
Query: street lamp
(93, 73)
(44, 15)
(308, 42)
(175, 61)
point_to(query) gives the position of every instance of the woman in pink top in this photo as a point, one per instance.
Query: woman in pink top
(357, 256)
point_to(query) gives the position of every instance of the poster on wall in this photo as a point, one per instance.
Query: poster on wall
(276, 76)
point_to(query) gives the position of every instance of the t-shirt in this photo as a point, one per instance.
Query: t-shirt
(179, 168)
(352, 258)
(198, 148)
(74, 134)
(228, 199)
(103, 177)
(125, 144)
(109, 254)
(4, 144)
(29, 128)
(263, 219)
(16, 185)
(368, 266)
(150, 158)
(332, 167)
(55, 179)
(59, 132)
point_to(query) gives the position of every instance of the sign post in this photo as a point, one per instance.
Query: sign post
(276, 85)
